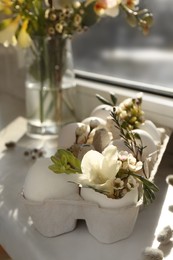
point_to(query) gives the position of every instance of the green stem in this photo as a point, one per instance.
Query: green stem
(42, 72)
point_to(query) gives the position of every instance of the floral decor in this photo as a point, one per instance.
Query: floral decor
(22, 20)
(104, 168)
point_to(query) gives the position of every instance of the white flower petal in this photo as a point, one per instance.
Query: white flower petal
(113, 12)
(110, 152)
(91, 165)
(110, 164)
(139, 166)
(123, 155)
(110, 170)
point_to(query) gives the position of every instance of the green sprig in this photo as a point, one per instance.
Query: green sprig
(149, 188)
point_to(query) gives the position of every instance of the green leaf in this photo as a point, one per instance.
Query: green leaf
(113, 98)
(90, 17)
(131, 19)
(106, 101)
(65, 162)
(56, 169)
(103, 100)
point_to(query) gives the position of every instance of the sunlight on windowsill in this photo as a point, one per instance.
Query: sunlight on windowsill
(166, 219)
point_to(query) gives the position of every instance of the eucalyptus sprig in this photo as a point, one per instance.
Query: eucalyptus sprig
(65, 162)
(149, 188)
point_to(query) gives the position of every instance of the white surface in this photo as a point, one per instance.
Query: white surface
(23, 242)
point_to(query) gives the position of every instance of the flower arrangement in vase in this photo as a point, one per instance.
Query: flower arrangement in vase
(105, 176)
(45, 28)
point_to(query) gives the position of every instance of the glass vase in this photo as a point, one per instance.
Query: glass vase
(50, 81)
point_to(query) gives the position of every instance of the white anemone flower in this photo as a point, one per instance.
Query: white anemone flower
(99, 170)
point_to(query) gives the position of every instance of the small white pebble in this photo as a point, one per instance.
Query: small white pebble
(170, 208)
(165, 235)
(169, 179)
(152, 254)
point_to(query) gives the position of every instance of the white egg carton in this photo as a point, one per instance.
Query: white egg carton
(58, 216)
(54, 217)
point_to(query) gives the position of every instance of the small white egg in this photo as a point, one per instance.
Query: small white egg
(147, 141)
(42, 184)
(102, 111)
(100, 121)
(67, 135)
(151, 129)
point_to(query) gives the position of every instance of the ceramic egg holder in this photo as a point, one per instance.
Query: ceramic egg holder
(54, 217)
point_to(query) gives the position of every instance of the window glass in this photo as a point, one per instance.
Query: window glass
(113, 48)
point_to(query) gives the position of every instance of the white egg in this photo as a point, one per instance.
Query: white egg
(147, 142)
(102, 111)
(99, 120)
(42, 184)
(151, 129)
(103, 201)
(110, 124)
(119, 143)
(67, 135)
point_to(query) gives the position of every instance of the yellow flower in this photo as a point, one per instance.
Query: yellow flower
(9, 29)
(59, 27)
(5, 6)
(24, 39)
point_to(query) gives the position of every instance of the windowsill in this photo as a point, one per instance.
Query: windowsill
(157, 108)
(19, 237)
(10, 108)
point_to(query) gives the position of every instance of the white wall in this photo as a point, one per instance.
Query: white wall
(12, 76)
